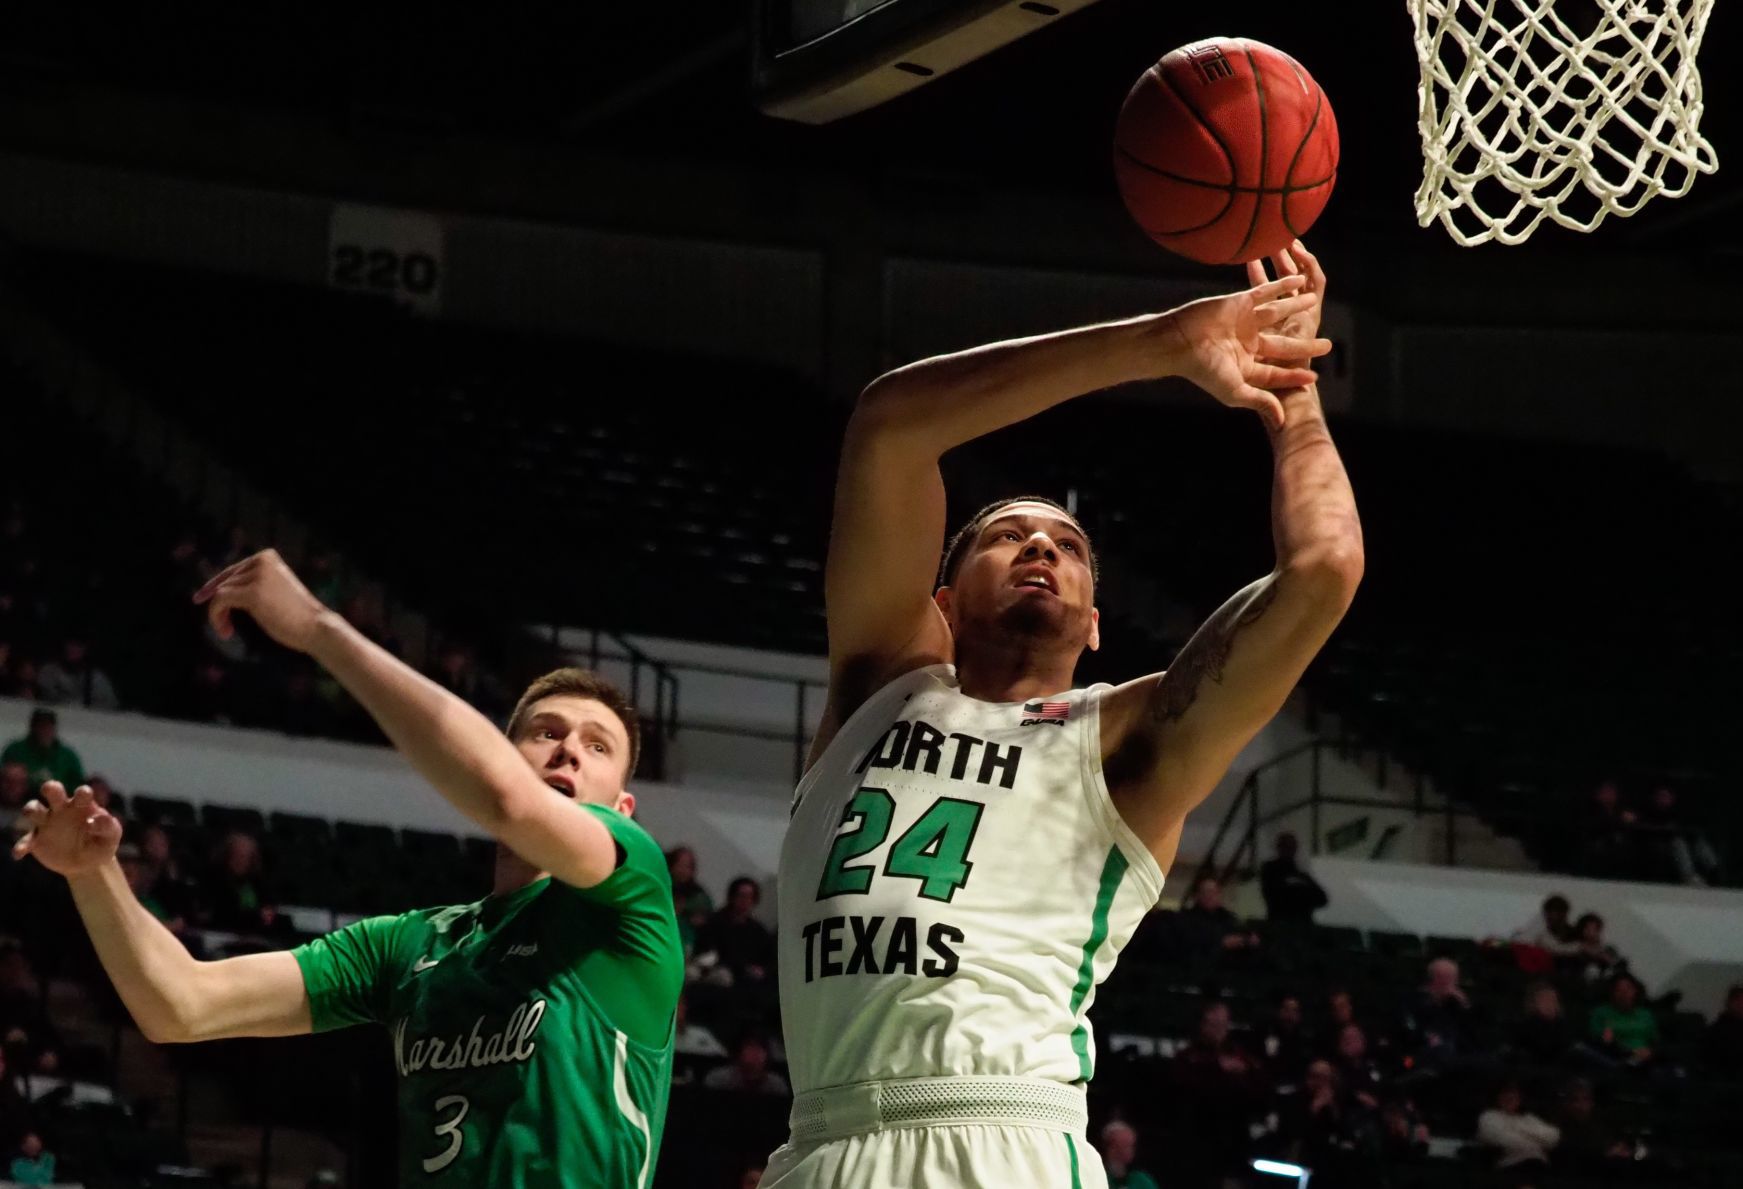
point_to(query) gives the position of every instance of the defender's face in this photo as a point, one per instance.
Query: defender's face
(579, 747)
(1027, 571)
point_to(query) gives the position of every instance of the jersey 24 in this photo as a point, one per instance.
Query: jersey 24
(955, 883)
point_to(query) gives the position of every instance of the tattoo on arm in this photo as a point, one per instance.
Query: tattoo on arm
(1206, 654)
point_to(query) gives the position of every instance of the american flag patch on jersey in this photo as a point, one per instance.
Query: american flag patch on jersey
(1039, 712)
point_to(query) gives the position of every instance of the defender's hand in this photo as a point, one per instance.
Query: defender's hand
(1222, 344)
(264, 587)
(69, 835)
(1295, 260)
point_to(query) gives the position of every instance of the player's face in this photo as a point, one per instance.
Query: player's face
(577, 746)
(1028, 573)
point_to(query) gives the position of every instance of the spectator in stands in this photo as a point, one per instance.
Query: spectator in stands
(1442, 1021)
(1218, 1088)
(32, 1164)
(734, 947)
(171, 888)
(1679, 852)
(1624, 1027)
(13, 682)
(690, 1039)
(300, 709)
(1589, 1145)
(1205, 927)
(14, 1109)
(1724, 1042)
(457, 671)
(1550, 929)
(75, 680)
(1340, 1011)
(1592, 956)
(14, 791)
(1357, 1071)
(749, 1072)
(1119, 1150)
(43, 754)
(1319, 1127)
(236, 894)
(323, 577)
(1287, 1050)
(209, 694)
(1521, 1140)
(693, 903)
(366, 611)
(1291, 894)
(1544, 1036)
(1606, 830)
(752, 1176)
(1403, 1134)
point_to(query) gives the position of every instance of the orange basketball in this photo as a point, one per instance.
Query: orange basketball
(1226, 150)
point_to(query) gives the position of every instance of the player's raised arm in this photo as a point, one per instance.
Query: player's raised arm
(890, 503)
(172, 996)
(459, 751)
(1168, 738)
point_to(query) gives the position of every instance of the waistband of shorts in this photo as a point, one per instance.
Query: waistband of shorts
(938, 1102)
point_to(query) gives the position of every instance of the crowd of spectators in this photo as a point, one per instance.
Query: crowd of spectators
(51, 622)
(1649, 838)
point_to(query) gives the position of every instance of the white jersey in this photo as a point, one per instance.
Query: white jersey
(954, 885)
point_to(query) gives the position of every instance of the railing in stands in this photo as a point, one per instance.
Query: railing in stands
(1247, 815)
(669, 719)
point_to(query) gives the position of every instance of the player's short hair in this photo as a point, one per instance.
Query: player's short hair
(581, 683)
(959, 544)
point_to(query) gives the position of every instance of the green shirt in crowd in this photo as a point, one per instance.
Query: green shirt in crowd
(1134, 1179)
(55, 762)
(532, 1030)
(1633, 1029)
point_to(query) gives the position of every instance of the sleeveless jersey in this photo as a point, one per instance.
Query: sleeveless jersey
(954, 885)
(511, 1022)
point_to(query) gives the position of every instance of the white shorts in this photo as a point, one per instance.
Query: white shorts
(957, 1157)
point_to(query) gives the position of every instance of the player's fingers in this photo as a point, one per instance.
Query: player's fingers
(219, 615)
(35, 812)
(1256, 273)
(1276, 376)
(53, 794)
(1284, 264)
(225, 576)
(1283, 346)
(1273, 312)
(23, 845)
(1271, 291)
(84, 801)
(1309, 266)
(1269, 408)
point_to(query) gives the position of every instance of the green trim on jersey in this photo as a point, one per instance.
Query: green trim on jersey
(532, 1030)
(1112, 872)
(1071, 1147)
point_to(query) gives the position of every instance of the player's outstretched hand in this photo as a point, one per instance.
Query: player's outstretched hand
(1222, 344)
(1295, 260)
(68, 835)
(264, 587)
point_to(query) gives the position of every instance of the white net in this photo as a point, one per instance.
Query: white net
(1569, 110)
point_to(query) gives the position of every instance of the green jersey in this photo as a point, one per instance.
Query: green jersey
(532, 1030)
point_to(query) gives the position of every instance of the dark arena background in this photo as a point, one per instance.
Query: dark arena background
(530, 337)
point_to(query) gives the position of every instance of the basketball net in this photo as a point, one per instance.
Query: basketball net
(1568, 110)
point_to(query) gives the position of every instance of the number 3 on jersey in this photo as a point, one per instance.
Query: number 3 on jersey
(450, 1131)
(934, 850)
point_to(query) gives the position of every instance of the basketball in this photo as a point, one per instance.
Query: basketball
(1226, 150)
